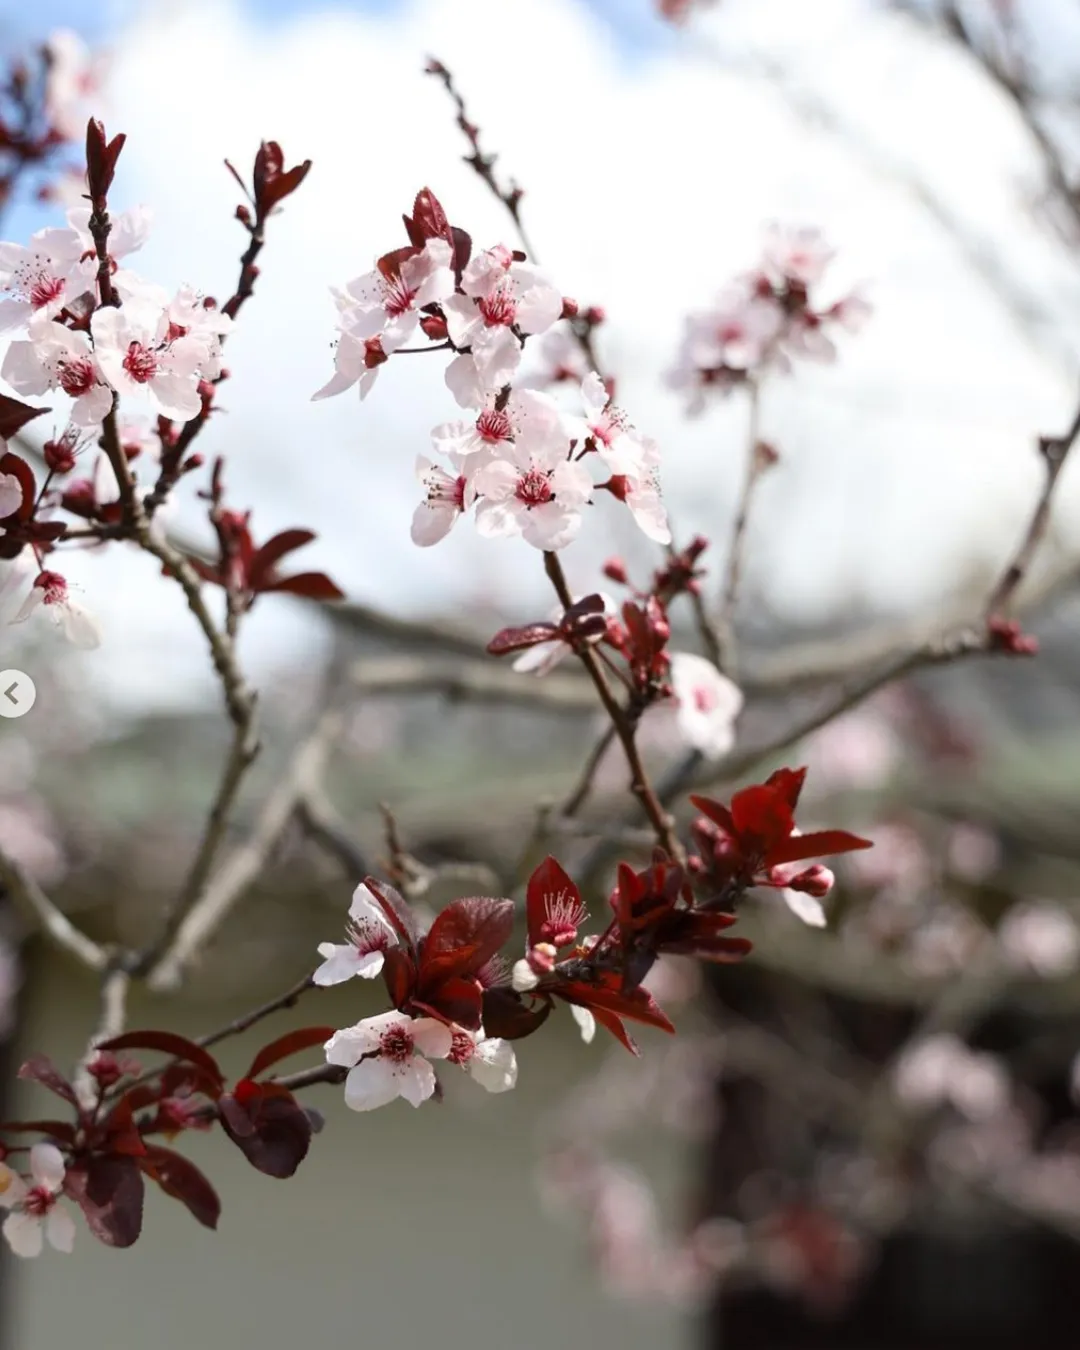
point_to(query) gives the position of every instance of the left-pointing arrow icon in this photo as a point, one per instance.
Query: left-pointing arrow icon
(19, 693)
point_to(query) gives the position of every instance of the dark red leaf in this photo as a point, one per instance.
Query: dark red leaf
(120, 1134)
(517, 639)
(109, 1191)
(279, 1138)
(454, 1000)
(789, 783)
(14, 415)
(400, 976)
(465, 934)
(169, 1043)
(183, 1181)
(41, 1069)
(761, 814)
(274, 550)
(235, 1117)
(289, 1044)
(311, 585)
(429, 219)
(507, 1015)
(716, 812)
(818, 845)
(612, 1023)
(54, 1129)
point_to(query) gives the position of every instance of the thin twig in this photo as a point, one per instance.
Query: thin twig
(756, 464)
(189, 928)
(622, 721)
(26, 892)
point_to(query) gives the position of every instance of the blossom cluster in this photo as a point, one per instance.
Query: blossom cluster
(765, 319)
(528, 466)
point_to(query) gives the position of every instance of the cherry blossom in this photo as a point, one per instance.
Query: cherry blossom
(503, 298)
(11, 495)
(35, 1210)
(492, 431)
(137, 351)
(356, 361)
(586, 1022)
(704, 706)
(641, 494)
(369, 937)
(607, 428)
(563, 361)
(73, 76)
(796, 254)
(535, 490)
(446, 497)
(56, 357)
(491, 1063)
(942, 1069)
(387, 301)
(737, 333)
(50, 592)
(387, 1057)
(40, 278)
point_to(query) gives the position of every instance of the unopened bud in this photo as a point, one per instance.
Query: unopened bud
(594, 316)
(615, 570)
(434, 326)
(569, 308)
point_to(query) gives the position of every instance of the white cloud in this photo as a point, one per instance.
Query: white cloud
(647, 186)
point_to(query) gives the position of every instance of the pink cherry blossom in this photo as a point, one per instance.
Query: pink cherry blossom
(356, 361)
(534, 489)
(369, 937)
(387, 1057)
(138, 352)
(387, 302)
(608, 428)
(40, 278)
(492, 431)
(11, 493)
(641, 493)
(737, 333)
(56, 357)
(796, 254)
(36, 1213)
(73, 76)
(502, 299)
(563, 361)
(446, 497)
(707, 704)
(942, 1069)
(51, 594)
(491, 1063)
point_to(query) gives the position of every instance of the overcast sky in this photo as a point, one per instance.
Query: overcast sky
(651, 166)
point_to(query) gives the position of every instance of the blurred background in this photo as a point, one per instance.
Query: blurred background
(865, 1136)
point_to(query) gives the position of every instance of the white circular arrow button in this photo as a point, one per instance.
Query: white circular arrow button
(17, 693)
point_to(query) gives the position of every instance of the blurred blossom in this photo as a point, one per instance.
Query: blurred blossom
(1041, 937)
(898, 858)
(28, 835)
(942, 1069)
(973, 853)
(945, 942)
(673, 979)
(996, 1147)
(858, 750)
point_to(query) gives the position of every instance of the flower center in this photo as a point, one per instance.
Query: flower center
(397, 297)
(77, 377)
(38, 1201)
(462, 1048)
(494, 427)
(705, 700)
(44, 289)
(498, 309)
(396, 1044)
(366, 935)
(54, 587)
(534, 488)
(446, 491)
(564, 913)
(140, 363)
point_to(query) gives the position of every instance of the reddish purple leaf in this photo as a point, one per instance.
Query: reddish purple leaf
(55, 1129)
(465, 935)
(398, 913)
(311, 585)
(279, 1138)
(109, 1191)
(14, 415)
(275, 549)
(179, 1047)
(183, 1181)
(547, 882)
(289, 1044)
(507, 1015)
(820, 845)
(517, 639)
